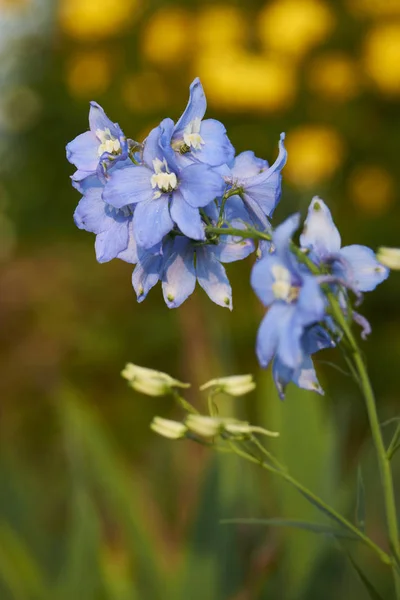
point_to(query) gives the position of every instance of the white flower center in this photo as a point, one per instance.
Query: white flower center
(108, 143)
(191, 135)
(162, 178)
(282, 287)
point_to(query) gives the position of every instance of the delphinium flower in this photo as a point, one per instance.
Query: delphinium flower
(104, 144)
(196, 140)
(179, 261)
(164, 193)
(257, 183)
(295, 303)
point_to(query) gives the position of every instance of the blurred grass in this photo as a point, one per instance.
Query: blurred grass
(92, 504)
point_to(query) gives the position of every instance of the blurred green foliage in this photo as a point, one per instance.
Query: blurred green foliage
(92, 504)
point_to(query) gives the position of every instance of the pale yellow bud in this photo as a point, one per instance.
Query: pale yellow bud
(236, 385)
(389, 257)
(150, 382)
(172, 430)
(244, 428)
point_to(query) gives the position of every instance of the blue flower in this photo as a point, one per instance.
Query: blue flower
(164, 193)
(94, 150)
(356, 265)
(294, 299)
(112, 226)
(314, 338)
(257, 183)
(195, 140)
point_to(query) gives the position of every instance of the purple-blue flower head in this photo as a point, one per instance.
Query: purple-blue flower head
(103, 144)
(356, 265)
(198, 140)
(294, 299)
(164, 193)
(259, 184)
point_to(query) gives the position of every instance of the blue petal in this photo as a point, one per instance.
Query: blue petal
(82, 152)
(304, 376)
(262, 277)
(151, 147)
(212, 277)
(128, 186)
(217, 148)
(284, 232)
(257, 213)
(316, 338)
(166, 129)
(99, 120)
(362, 271)
(229, 248)
(195, 109)
(290, 350)
(90, 214)
(186, 217)
(235, 212)
(320, 233)
(200, 185)
(311, 304)
(265, 188)
(270, 330)
(130, 254)
(179, 277)
(113, 240)
(152, 221)
(147, 272)
(248, 165)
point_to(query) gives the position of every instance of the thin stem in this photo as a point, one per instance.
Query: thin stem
(184, 403)
(384, 557)
(250, 233)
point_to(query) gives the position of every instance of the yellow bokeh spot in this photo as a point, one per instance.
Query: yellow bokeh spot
(315, 152)
(374, 8)
(144, 92)
(167, 37)
(239, 81)
(220, 26)
(372, 189)
(95, 19)
(294, 26)
(382, 57)
(334, 76)
(89, 74)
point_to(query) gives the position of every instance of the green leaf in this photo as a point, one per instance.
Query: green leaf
(360, 503)
(395, 443)
(305, 525)
(373, 594)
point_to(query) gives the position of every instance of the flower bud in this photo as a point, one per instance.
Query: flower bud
(389, 257)
(243, 428)
(236, 385)
(204, 425)
(172, 430)
(150, 382)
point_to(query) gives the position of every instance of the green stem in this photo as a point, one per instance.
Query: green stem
(383, 459)
(184, 403)
(384, 557)
(252, 234)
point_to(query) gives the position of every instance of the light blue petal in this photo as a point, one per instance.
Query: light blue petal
(282, 376)
(166, 129)
(320, 233)
(247, 165)
(284, 232)
(212, 277)
(113, 240)
(195, 109)
(290, 350)
(151, 147)
(363, 271)
(179, 277)
(316, 338)
(99, 120)
(186, 217)
(262, 278)
(152, 221)
(200, 185)
(270, 331)
(90, 214)
(82, 152)
(257, 213)
(130, 254)
(265, 188)
(311, 302)
(235, 212)
(128, 186)
(217, 148)
(147, 272)
(304, 376)
(229, 248)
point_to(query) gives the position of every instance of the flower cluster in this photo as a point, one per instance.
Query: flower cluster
(181, 204)
(150, 204)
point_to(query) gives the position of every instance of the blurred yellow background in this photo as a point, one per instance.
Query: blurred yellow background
(328, 74)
